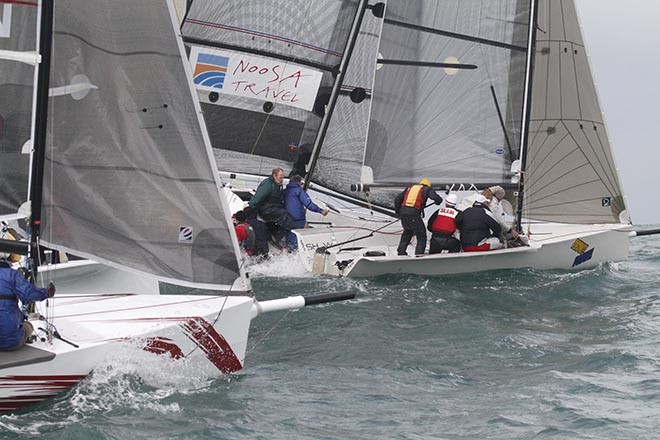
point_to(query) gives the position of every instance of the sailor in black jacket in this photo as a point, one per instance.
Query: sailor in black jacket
(410, 206)
(479, 229)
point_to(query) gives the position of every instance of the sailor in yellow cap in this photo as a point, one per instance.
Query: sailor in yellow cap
(410, 205)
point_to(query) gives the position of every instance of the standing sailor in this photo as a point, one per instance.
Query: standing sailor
(410, 205)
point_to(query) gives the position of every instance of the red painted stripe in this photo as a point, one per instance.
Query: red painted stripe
(483, 247)
(20, 2)
(213, 344)
(160, 345)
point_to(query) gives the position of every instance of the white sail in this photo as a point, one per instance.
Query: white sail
(446, 124)
(18, 46)
(570, 175)
(128, 174)
(253, 134)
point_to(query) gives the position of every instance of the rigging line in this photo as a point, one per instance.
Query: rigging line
(497, 104)
(226, 298)
(263, 338)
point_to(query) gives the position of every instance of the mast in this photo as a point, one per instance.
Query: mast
(336, 87)
(41, 128)
(527, 109)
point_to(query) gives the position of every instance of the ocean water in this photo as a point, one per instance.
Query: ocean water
(516, 354)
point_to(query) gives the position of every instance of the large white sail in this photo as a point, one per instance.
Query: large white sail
(18, 45)
(570, 173)
(128, 174)
(449, 125)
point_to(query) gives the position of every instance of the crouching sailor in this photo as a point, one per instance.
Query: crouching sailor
(479, 229)
(442, 226)
(14, 329)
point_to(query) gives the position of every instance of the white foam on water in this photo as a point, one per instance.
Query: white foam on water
(129, 378)
(280, 266)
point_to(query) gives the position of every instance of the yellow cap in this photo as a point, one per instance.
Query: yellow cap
(425, 182)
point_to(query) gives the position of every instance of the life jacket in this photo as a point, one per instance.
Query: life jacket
(444, 222)
(246, 237)
(414, 197)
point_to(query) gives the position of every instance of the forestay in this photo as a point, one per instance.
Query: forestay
(129, 178)
(18, 39)
(266, 53)
(570, 174)
(447, 124)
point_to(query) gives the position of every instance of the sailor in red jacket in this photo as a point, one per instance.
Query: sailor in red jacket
(244, 232)
(442, 226)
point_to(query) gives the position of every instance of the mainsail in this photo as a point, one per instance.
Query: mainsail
(449, 124)
(18, 43)
(129, 178)
(570, 173)
(262, 79)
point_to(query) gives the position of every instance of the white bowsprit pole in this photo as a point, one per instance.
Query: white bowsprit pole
(297, 302)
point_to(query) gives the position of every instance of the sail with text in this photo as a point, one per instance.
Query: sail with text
(262, 70)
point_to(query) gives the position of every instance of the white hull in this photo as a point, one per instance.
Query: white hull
(550, 248)
(210, 332)
(550, 243)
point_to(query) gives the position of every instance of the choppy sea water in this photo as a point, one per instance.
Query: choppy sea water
(515, 354)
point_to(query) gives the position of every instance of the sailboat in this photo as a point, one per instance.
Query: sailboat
(467, 95)
(520, 112)
(121, 173)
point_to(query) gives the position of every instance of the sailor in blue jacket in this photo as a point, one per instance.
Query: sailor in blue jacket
(14, 330)
(297, 202)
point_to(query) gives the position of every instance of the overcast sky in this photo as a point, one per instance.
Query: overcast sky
(623, 42)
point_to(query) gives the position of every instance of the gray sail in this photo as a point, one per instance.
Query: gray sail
(440, 123)
(340, 160)
(247, 133)
(129, 178)
(570, 173)
(18, 37)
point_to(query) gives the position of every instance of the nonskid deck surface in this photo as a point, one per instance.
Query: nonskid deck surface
(24, 356)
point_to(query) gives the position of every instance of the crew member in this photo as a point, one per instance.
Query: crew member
(479, 229)
(269, 204)
(442, 226)
(14, 329)
(297, 202)
(410, 205)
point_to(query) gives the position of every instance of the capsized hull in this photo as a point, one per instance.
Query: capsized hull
(570, 247)
(210, 332)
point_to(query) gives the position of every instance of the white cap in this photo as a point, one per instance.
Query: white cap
(451, 199)
(481, 199)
